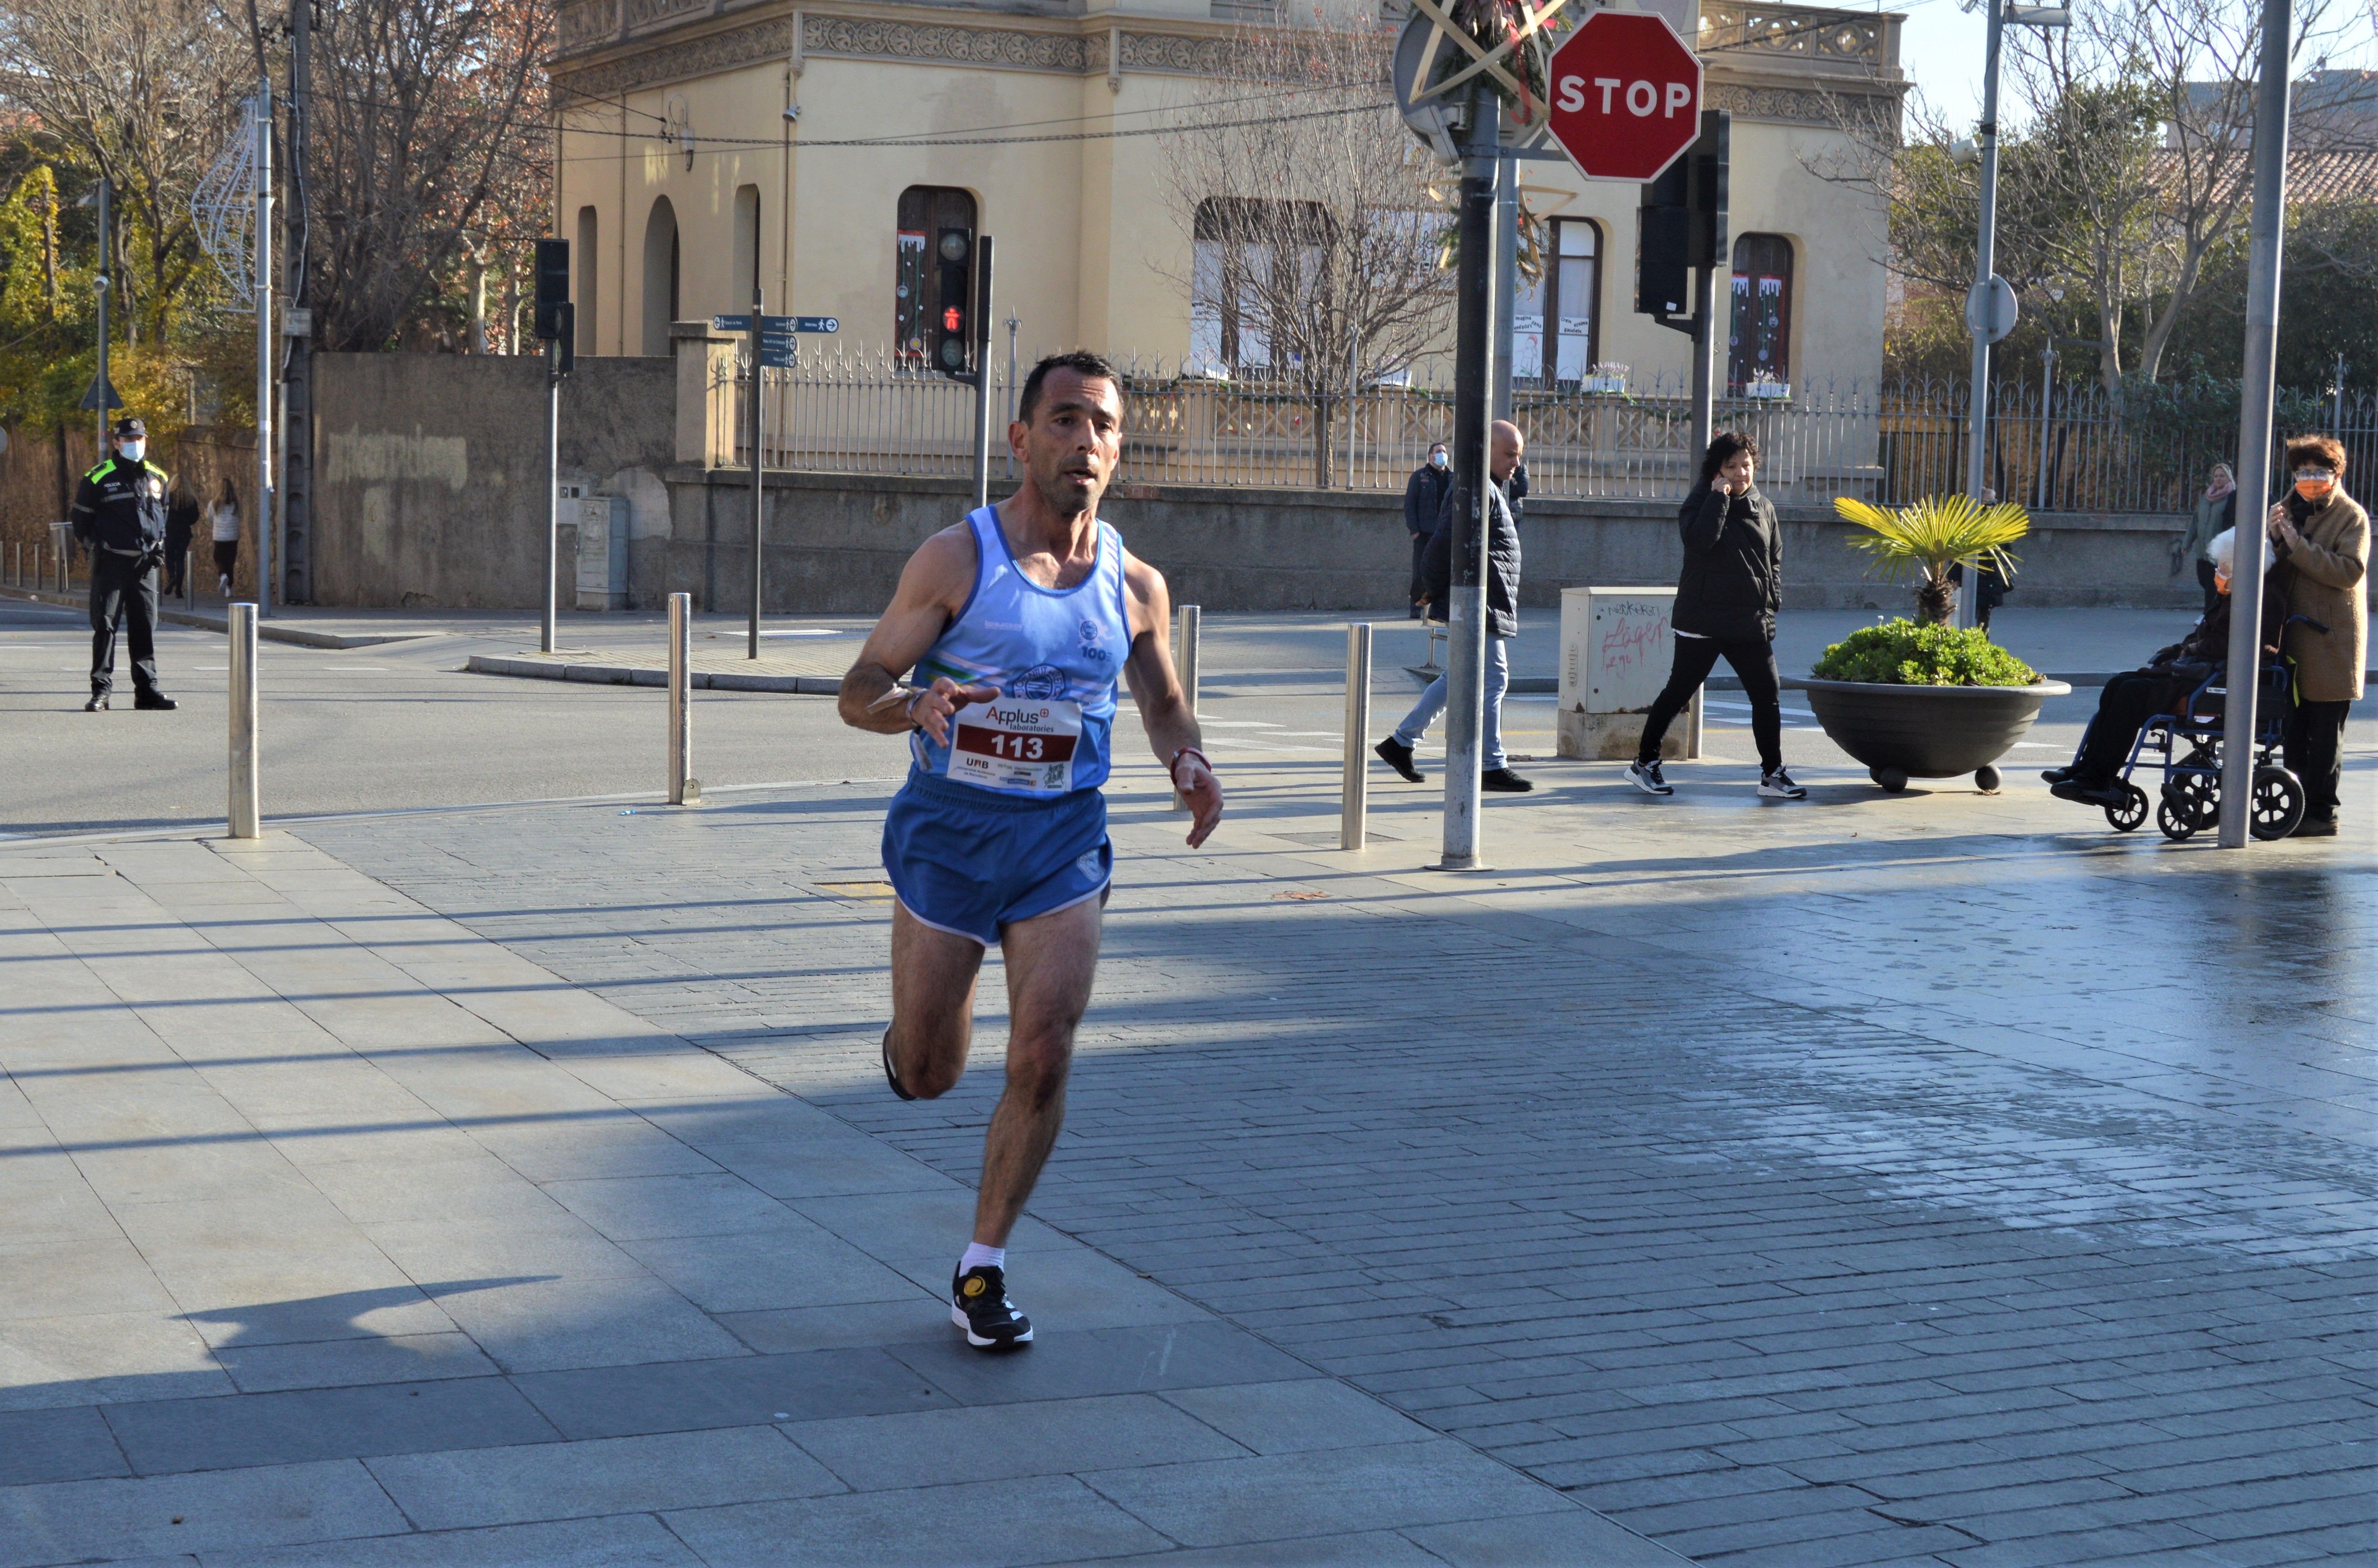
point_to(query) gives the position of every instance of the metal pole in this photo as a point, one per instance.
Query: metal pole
(681, 787)
(759, 464)
(2254, 427)
(982, 373)
(2336, 403)
(243, 721)
(265, 509)
(552, 490)
(1977, 414)
(2046, 397)
(1353, 392)
(1354, 794)
(1014, 322)
(1704, 366)
(1506, 279)
(1185, 664)
(1473, 395)
(297, 456)
(103, 285)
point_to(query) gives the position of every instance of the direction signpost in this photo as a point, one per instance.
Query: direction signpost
(773, 347)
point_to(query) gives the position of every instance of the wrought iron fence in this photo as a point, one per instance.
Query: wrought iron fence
(2072, 447)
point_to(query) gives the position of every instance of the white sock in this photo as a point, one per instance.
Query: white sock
(980, 1256)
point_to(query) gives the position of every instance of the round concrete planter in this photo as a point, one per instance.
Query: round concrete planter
(1925, 732)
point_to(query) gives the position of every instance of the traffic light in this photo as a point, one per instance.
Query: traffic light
(953, 275)
(1682, 222)
(552, 287)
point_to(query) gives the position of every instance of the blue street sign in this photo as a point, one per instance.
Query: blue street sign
(777, 324)
(816, 324)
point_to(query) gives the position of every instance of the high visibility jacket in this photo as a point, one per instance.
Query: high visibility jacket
(120, 506)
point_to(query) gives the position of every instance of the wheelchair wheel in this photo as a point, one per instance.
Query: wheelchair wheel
(2194, 798)
(2278, 804)
(2175, 821)
(2130, 810)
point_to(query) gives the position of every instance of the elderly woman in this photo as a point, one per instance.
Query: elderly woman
(2129, 701)
(2216, 511)
(2319, 545)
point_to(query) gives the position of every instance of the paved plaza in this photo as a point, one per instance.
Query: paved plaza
(1927, 1179)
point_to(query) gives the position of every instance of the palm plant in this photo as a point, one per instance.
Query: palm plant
(1934, 535)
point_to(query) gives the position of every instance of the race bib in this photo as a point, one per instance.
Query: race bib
(1016, 744)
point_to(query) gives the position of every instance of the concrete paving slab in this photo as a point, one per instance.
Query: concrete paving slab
(1006, 1441)
(70, 1444)
(732, 1391)
(235, 1512)
(100, 1273)
(1067, 1364)
(405, 1358)
(1294, 1418)
(633, 1540)
(791, 1264)
(635, 1208)
(604, 1475)
(1001, 1525)
(1377, 1549)
(91, 1358)
(165, 1437)
(1227, 1502)
(540, 1323)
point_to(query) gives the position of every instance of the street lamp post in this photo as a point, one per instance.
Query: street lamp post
(1986, 139)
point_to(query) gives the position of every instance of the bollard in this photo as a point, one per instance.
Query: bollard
(243, 723)
(1693, 725)
(1354, 796)
(683, 788)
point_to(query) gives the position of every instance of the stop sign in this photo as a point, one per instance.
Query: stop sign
(1626, 95)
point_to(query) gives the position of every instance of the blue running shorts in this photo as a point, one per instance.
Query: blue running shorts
(966, 860)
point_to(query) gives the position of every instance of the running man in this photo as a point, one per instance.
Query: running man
(1018, 621)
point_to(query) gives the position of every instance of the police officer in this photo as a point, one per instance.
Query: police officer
(119, 515)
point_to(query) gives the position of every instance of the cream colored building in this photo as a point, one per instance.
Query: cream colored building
(706, 147)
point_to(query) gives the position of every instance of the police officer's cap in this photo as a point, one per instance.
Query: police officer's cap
(129, 427)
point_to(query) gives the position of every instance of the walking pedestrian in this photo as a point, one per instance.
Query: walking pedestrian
(2217, 510)
(1726, 600)
(1019, 620)
(224, 518)
(181, 520)
(2320, 538)
(1425, 494)
(119, 515)
(1504, 451)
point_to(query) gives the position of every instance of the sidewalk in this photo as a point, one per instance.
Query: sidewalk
(336, 1229)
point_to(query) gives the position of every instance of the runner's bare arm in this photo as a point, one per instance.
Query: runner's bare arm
(933, 589)
(1164, 709)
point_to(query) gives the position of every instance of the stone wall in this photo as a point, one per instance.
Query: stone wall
(836, 542)
(431, 472)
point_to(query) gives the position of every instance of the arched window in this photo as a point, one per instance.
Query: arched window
(1556, 320)
(1762, 350)
(582, 283)
(934, 267)
(660, 275)
(747, 250)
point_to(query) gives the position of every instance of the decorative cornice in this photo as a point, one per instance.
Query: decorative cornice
(1012, 48)
(1803, 106)
(1173, 54)
(671, 61)
(1802, 31)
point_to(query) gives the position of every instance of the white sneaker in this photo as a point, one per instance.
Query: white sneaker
(1778, 785)
(1645, 776)
(222, 585)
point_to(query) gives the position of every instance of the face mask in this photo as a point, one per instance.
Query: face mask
(1438, 459)
(2314, 484)
(134, 450)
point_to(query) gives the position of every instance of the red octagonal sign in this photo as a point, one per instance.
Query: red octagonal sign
(1626, 95)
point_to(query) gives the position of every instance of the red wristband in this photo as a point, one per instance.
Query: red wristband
(1172, 770)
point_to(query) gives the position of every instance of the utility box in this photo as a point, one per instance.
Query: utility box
(602, 552)
(1615, 649)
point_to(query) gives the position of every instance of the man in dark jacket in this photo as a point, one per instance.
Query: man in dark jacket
(119, 515)
(2130, 699)
(1425, 494)
(1502, 624)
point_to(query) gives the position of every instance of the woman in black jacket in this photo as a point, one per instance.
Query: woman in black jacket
(1726, 600)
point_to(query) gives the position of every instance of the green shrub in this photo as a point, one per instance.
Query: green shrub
(1901, 653)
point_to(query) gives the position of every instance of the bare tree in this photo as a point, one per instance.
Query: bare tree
(428, 125)
(1316, 247)
(139, 91)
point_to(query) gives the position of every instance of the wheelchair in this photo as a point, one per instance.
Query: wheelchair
(2185, 748)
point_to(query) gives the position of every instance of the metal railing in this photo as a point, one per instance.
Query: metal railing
(2074, 447)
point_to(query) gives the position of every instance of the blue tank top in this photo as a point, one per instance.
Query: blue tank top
(1054, 654)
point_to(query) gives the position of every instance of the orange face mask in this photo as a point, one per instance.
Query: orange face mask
(2314, 484)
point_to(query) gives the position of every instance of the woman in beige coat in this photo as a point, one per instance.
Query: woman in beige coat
(2320, 541)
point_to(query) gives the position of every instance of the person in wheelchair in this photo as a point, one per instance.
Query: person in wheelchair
(2131, 699)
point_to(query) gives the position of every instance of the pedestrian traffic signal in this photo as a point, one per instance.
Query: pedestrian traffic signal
(1681, 224)
(552, 288)
(954, 271)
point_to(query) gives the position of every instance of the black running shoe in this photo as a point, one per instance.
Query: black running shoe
(1398, 756)
(1644, 774)
(978, 1304)
(889, 1076)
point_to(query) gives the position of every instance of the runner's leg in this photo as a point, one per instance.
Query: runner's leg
(1052, 961)
(932, 1003)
